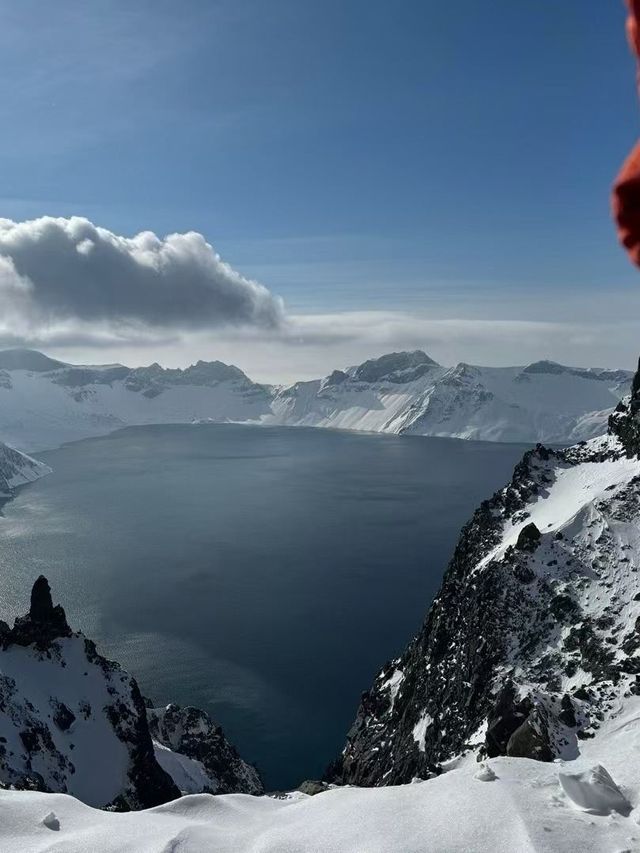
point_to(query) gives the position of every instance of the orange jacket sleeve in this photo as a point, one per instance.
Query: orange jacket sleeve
(626, 191)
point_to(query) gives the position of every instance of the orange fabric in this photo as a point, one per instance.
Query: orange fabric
(633, 25)
(626, 191)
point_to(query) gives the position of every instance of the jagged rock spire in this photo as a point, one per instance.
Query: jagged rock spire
(43, 623)
(41, 602)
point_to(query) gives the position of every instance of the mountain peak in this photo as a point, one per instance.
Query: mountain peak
(395, 367)
(28, 359)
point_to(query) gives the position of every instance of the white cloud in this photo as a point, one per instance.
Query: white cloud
(83, 293)
(57, 271)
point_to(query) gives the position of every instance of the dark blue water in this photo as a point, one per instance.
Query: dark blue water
(264, 574)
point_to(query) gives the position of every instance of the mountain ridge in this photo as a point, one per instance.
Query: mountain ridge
(401, 393)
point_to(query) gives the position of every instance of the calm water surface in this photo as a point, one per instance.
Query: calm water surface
(264, 574)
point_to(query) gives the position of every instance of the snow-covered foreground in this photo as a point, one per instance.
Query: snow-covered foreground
(524, 808)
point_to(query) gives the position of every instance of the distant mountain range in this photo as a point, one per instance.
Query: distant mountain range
(45, 402)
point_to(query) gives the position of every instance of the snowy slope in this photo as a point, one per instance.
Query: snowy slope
(74, 722)
(44, 403)
(16, 469)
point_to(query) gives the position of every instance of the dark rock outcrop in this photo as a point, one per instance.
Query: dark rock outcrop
(313, 787)
(625, 420)
(43, 623)
(529, 538)
(191, 732)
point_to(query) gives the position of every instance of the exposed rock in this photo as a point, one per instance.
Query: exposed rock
(191, 732)
(529, 538)
(567, 715)
(313, 787)
(43, 623)
(531, 739)
(506, 718)
(625, 420)
(63, 717)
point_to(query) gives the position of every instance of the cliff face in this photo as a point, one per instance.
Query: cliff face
(16, 469)
(214, 765)
(72, 721)
(535, 633)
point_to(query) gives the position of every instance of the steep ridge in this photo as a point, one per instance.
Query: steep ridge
(16, 469)
(410, 393)
(72, 721)
(531, 645)
(44, 403)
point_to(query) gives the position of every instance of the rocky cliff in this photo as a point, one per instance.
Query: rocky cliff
(534, 638)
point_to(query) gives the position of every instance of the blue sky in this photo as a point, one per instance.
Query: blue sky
(419, 160)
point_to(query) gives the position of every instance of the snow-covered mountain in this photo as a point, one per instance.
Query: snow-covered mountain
(410, 393)
(44, 403)
(73, 722)
(16, 469)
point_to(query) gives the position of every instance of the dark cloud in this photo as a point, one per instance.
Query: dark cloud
(54, 269)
